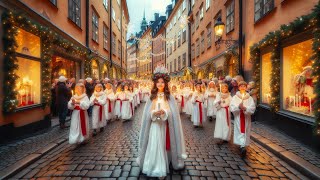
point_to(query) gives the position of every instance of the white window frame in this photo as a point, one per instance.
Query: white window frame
(201, 13)
(184, 5)
(105, 4)
(207, 4)
(113, 15)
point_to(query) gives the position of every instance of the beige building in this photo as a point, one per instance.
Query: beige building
(177, 47)
(144, 54)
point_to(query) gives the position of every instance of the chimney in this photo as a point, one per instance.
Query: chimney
(156, 16)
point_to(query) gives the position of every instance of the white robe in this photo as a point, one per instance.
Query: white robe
(239, 138)
(156, 163)
(146, 94)
(187, 101)
(110, 98)
(222, 128)
(75, 134)
(195, 117)
(96, 121)
(137, 93)
(178, 99)
(211, 108)
(126, 109)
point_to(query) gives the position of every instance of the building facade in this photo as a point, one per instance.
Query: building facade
(144, 56)
(132, 59)
(158, 45)
(54, 37)
(177, 35)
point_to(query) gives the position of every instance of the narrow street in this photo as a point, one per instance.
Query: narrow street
(112, 154)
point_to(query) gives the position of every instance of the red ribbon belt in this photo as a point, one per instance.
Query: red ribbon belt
(100, 111)
(200, 109)
(242, 122)
(182, 101)
(120, 103)
(131, 109)
(167, 137)
(109, 106)
(82, 120)
(227, 113)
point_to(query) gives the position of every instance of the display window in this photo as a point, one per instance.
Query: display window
(94, 69)
(64, 67)
(297, 81)
(27, 43)
(266, 70)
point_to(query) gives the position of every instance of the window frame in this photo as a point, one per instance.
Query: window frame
(95, 26)
(72, 15)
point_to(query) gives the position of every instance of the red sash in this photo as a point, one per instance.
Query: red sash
(131, 109)
(182, 101)
(200, 109)
(109, 106)
(82, 120)
(100, 111)
(227, 113)
(167, 137)
(242, 122)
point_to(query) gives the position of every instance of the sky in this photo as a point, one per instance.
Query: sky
(136, 8)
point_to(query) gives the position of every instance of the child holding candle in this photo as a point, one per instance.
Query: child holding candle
(198, 113)
(98, 100)
(242, 106)
(177, 96)
(110, 97)
(161, 138)
(125, 97)
(79, 103)
(210, 95)
(222, 129)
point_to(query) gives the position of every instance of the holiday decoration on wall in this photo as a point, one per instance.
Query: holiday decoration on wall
(273, 39)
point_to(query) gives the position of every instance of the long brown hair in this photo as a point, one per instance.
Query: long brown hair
(154, 90)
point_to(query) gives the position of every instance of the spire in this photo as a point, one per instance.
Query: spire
(144, 21)
(144, 13)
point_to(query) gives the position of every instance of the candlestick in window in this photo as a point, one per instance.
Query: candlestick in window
(310, 105)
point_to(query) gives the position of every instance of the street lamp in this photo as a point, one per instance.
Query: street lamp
(218, 29)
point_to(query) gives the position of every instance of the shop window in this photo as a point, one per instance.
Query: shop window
(94, 69)
(29, 83)
(298, 90)
(232, 67)
(266, 69)
(105, 71)
(64, 67)
(28, 44)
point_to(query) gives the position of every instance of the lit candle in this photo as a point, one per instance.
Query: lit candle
(220, 87)
(72, 92)
(310, 105)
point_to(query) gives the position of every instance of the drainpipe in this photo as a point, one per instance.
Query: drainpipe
(240, 38)
(110, 37)
(120, 36)
(87, 23)
(189, 34)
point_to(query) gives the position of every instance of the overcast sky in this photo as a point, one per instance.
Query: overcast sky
(136, 8)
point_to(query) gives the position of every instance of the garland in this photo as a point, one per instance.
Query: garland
(11, 22)
(306, 22)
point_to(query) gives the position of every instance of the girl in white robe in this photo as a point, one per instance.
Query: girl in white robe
(126, 109)
(98, 100)
(137, 93)
(210, 96)
(146, 93)
(118, 103)
(187, 99)
(198, 113)
(222, 128)
(177, 96)
(242, 106)
(79, 127)
(109, 106)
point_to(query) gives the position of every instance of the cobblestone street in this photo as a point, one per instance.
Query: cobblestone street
(112, 154)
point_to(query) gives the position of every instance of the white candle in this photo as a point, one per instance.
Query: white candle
(220, 87)
(310, 105)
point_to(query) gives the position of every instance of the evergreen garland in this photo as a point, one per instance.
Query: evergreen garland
(255, 60)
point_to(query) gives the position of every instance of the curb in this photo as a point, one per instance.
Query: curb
(306, 168)
(29, 159)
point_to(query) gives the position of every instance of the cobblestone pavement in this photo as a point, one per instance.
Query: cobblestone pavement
(287, 143)
(112, 153)
(14, 151)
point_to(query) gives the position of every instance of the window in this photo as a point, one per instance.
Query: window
(54, 2)
(28, 84)
(179, 13)
(184, 35)
(179, 38)
(184, 6)
(201, 12)
(113, 15)
(179, 63)
(95, 26)
(192, 28)
(192, 52)
(197, 20)
(298, 90)
(230, 17)
(118, 24)
(175, 64)
(74, 11)
(266, 69)
(171, 66)
(105, 37)
(118, 2)
(105, 4)
(262, 7)
(114, 44)
(197, 48)
(184, 60)
(202, 42)
(207, 4)
(192, 2)
(209, 30)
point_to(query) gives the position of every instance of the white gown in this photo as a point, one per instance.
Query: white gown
(197, 103)
(77, 132)
(110, 98)
(136, 92)
(126, 111)
(187, 101)
(178, 98)
(222, 128)
(146, 94)
(117, 105)
(96, 121)
(242, 138)
(211, 108)
(156, 162)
